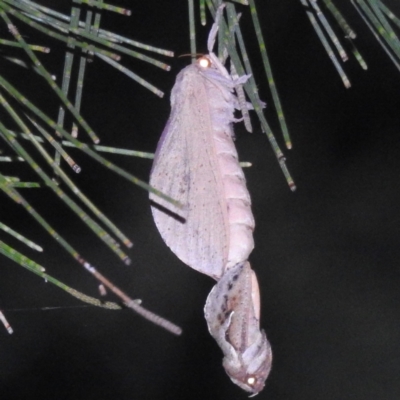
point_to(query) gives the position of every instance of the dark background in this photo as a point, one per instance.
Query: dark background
(327, 256)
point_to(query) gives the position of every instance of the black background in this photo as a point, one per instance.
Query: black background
(327, 256)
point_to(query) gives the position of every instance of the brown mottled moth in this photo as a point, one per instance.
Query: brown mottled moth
(197, 164)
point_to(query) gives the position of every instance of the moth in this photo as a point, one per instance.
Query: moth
(196, 163)
(232, 313)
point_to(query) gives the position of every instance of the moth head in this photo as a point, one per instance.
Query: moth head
(252, 383)
(250, 369)
(204, 62)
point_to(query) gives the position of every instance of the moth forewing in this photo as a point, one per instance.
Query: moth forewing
(185, 166)
(196, 163)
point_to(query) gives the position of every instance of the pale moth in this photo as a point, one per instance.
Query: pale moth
(197, 164)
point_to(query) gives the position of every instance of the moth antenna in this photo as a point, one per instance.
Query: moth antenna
(191, 55)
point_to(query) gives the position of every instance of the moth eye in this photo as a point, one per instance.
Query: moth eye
(251, 381)
(204, 62)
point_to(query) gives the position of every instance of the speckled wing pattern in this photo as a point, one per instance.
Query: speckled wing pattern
(186, 168)
(232, 312)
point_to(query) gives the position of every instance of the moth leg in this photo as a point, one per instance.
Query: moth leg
(214, 29)
(242, 98)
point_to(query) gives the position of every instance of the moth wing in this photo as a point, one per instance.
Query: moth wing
(186, 168)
